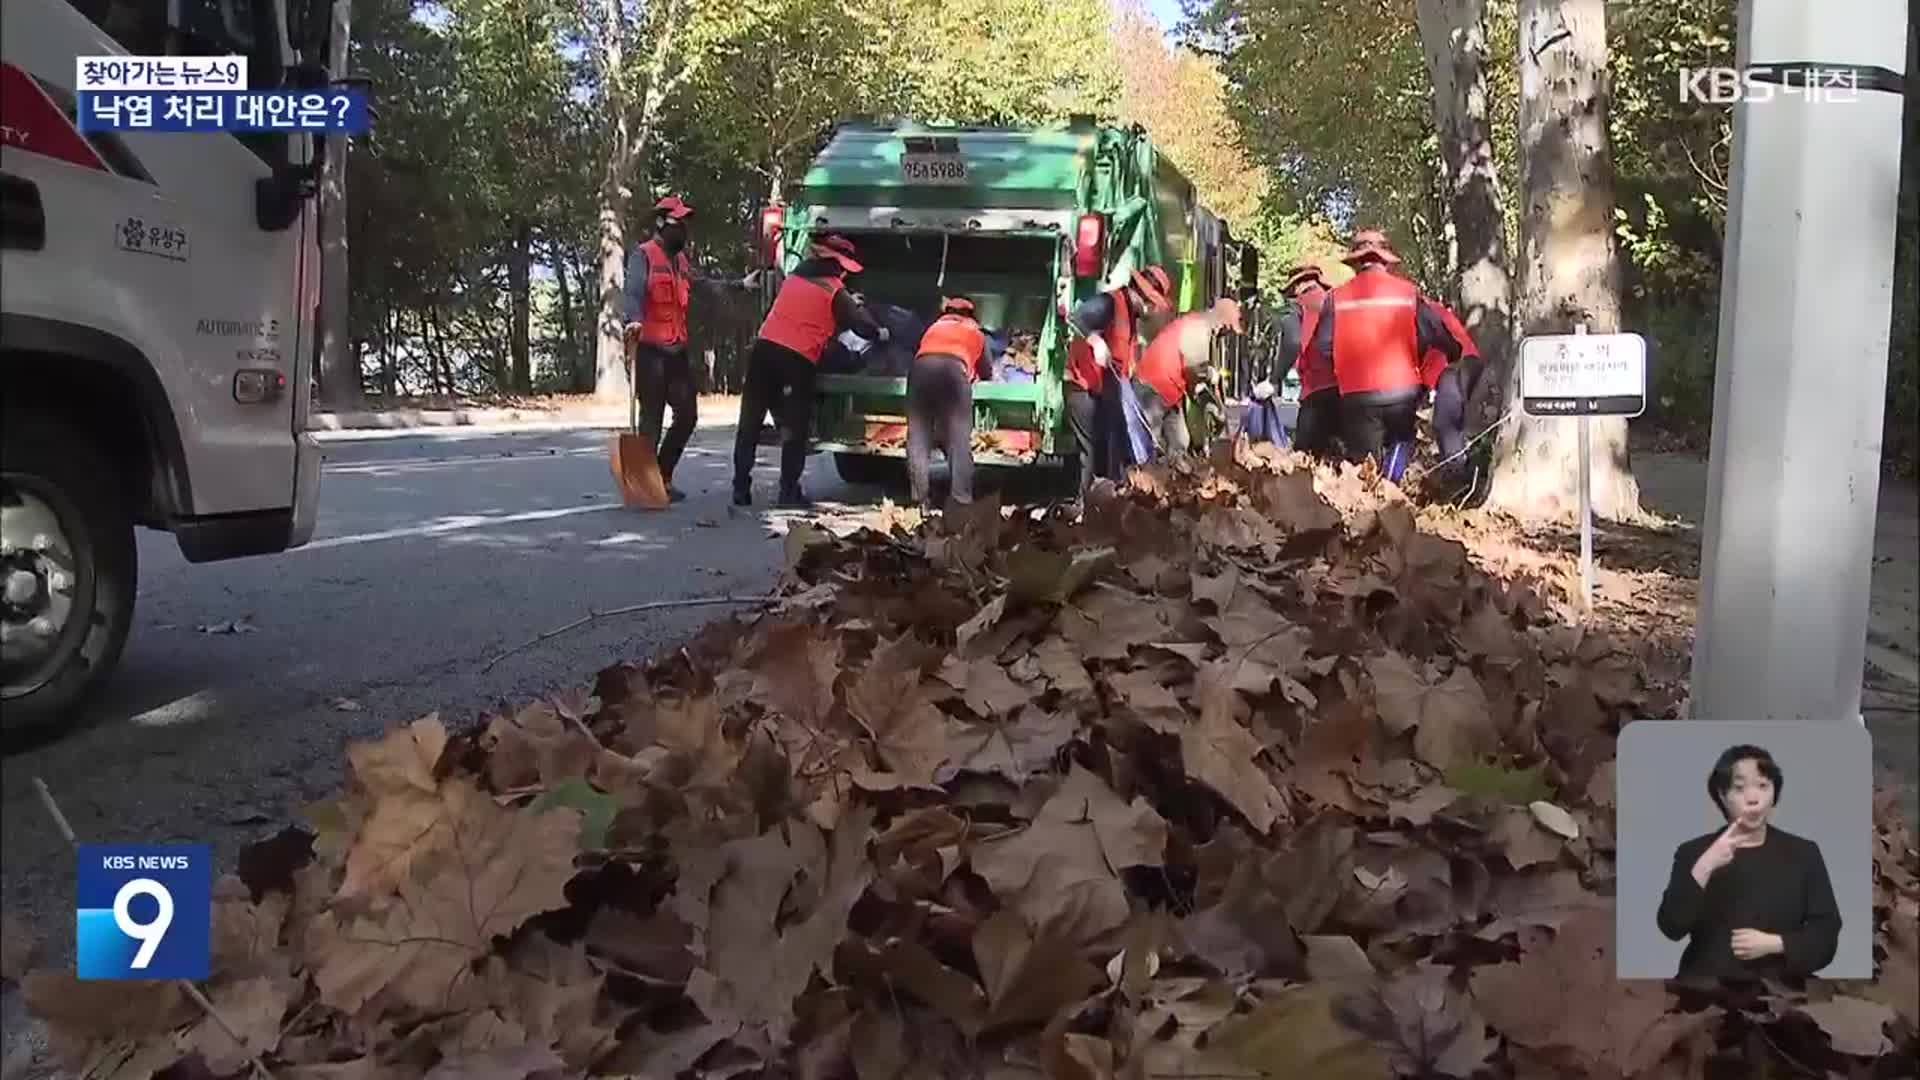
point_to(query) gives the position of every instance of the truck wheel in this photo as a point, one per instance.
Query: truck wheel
(67, 569)
(868, 470)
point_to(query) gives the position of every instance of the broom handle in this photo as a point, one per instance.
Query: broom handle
(633, 386)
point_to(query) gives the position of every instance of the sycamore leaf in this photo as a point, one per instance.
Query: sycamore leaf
(497, 869)
(1451, 720)
(1028, 976)
(1222, 754)
(1295, 1033)
(1854, 1026)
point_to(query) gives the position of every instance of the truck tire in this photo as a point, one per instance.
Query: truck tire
(870, 470)
(67, 569)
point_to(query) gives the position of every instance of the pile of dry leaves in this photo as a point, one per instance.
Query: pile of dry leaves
(1258, 781)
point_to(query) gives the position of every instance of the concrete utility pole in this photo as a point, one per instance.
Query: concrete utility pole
(1800, 382)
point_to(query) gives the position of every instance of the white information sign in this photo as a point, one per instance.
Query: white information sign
(1584, 375)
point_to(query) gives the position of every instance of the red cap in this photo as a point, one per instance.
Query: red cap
(839, 249)
(956, 305)
(1300, 276)
(672, 208)
(1155, 285)
(1370, 244)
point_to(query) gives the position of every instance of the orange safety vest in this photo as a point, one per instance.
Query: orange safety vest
(1163, 367)
(663, 321)
(1435, 361)
(1081, 369)
(1376, 333)
(957, 336)
(801, 318)
(1316, 371)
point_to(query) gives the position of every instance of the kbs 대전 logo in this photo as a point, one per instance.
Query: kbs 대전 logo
(1760, 83)
(144, 911)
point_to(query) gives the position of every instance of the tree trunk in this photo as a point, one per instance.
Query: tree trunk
(626, 145)
(570, 351)
(1453, 35)
(1569, 268)
(339, 360)
(519, 287)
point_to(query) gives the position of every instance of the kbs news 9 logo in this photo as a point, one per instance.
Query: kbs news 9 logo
(144, 911)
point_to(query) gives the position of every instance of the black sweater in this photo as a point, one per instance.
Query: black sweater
(1780, 887)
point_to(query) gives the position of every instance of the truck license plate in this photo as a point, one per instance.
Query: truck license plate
(933, 168)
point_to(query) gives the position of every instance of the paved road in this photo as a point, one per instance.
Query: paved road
(433, 555)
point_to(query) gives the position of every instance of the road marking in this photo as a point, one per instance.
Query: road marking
(458, 523)
(372, 467)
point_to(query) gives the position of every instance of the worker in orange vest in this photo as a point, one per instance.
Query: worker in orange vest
(952, 356)
(660, 280)
(1179, 361)
(1316, 426)
(1106, 332)
(1375, 330)
(812, 307)
(1452, 385)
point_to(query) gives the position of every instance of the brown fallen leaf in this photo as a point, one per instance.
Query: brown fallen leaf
(1425, 1026)
(253, 1009)
(1562, 993)
(1028, 976)
(1451, 720)
(1854, 1026)
(1296, 1033)
(1222, 754)
(1061, 871)
(497, 869)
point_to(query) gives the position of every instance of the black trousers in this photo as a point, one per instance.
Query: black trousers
(664, 378)
(939, 414)
(779, 381)
(1450, 398)
(1368, 428)
(1317, 428)
(1099, 423)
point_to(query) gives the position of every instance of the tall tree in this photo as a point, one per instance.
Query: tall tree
(1453, 36)
(339, 353)
(628, 102)
(1569, 267)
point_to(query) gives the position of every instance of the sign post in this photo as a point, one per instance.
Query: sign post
(1584, 375)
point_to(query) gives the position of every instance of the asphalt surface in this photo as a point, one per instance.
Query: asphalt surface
(434, 554)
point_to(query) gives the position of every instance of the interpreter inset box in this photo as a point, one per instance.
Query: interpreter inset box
(1745, 850)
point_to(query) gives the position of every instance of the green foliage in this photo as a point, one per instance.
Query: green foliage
(1492, 780)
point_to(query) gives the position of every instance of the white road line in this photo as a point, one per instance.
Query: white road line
(349, 468)
(461, 523)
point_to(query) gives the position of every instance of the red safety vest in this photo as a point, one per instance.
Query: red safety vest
(1163, 367)
(801, 318)
(1435, 361)
(1081, 369)
(1376, 333)
(956, 336)
(663, 321)
(1316, 372)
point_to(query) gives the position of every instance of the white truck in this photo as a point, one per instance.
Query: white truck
(158, 297)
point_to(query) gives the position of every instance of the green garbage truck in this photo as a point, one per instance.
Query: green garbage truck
(1026, 221)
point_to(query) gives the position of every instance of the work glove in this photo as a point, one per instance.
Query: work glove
(1262, 390)
(1102, 356)
(1215, 413)
(751, 281)
(631, 332)
(885, 335)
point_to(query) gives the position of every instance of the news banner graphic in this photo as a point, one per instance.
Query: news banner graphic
(144, 911)
(204, 93)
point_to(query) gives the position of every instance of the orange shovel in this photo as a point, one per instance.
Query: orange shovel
(635, 468)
